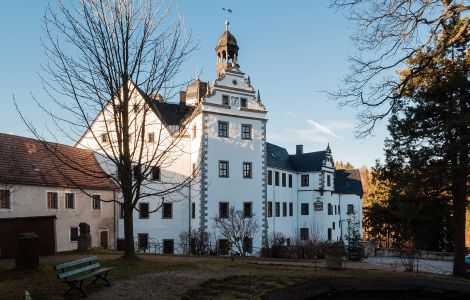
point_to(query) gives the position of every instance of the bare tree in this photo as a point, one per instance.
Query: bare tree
(237, 228)
(388, 34)
(111, 64)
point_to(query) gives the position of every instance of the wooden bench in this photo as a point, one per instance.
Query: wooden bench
(74, 273)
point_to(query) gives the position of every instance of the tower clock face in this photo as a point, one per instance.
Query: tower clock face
(234, 101)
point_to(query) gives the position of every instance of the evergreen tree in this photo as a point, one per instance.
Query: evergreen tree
(427, 156)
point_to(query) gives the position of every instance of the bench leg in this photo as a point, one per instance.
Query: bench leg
(102, 277)
(73, 286)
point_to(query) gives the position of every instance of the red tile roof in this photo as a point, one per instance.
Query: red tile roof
(32, 162)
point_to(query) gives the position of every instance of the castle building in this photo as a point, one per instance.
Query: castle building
(224, 149)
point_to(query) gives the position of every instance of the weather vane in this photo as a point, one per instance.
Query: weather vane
(229, 11)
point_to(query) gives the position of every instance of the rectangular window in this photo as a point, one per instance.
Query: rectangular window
(330, 209)
(247, 210)
(246, 132)
(276, 178)
(304, 209)
(243, 102)
(290, 180)
(270, 209)
(69, 201)
(223, 210)
(156, 174)
(278, 209)
(167, 211)
(328, 180)
(225, 100)
(283, 179)
(52, 202)
(104, 138)
(193, 210)
(73, 234)
(304, 234)
(151, 137)
(304, 180)
(247, 170)
(168, 246)
(270, 177)
(336, 211)
(284, 209)
(350, 209)
(223, 247)
(223, 129)
(223, 168)
(248, 245)
(137, 172)
(96, 199)
(143, 239)
(334, 226)
(329, 234)
(143, 210)
(291, 209)
(5, 199)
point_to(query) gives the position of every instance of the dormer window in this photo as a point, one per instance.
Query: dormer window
(225, 100)
(243, 102)
(328, 180)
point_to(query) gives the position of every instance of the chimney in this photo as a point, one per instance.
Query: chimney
(299, 149)
(157, 97)
(182, 97)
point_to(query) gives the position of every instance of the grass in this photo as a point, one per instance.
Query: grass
(43, 283)
(210, 277)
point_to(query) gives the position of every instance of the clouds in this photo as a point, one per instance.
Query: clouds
(313, 132)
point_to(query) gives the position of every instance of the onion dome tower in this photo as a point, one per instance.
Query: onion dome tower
(227, 51)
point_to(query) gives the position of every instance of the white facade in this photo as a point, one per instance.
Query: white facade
(318, 206)
(31, 201)
(224, 148)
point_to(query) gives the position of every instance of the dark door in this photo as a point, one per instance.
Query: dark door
(104, 239)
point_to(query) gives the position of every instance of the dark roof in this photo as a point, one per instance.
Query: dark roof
(348, 182)
(278, 157)
(171, 113)
(31, 162)
(308, 162)
(168, 113)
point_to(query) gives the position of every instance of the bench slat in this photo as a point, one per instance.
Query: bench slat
(93, 274)
(75, 262)
(78, 271)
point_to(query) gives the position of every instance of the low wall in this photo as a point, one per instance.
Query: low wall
(384, 252)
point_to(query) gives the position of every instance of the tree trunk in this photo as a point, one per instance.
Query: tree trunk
(459, 191)
(129, 249)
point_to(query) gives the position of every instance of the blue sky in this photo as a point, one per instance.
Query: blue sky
(291, 50)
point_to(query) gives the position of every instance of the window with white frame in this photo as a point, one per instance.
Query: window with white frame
(52, 200)
(5, 199)
(73, 234)
(96, 202)
(69, 201)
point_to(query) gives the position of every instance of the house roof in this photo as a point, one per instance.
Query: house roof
(31, 162)
(308, 162)
(278, 157)
(348, 182)
(169, 113)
